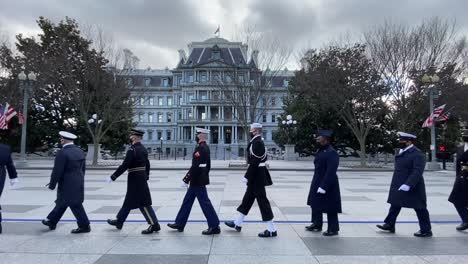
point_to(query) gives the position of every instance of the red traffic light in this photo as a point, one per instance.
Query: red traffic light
(442, 148)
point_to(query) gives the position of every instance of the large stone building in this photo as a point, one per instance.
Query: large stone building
(201, 92)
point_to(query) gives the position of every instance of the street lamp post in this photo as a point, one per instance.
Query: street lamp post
(289, 123)
(161, 149)
(431, 81)
(94, 122)
(26, 83)
(289, 153)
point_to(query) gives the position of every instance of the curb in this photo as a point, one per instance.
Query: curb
(102, 168)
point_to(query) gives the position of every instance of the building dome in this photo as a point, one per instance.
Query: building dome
(216, 40)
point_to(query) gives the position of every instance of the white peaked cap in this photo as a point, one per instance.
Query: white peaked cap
(406, 135)
(202, 130)
(67, 135)
(255, 125)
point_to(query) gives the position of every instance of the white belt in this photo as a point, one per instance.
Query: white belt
(263, 164)
(202, 166)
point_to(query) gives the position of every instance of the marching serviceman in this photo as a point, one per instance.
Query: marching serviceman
(196, 179)
(138, 193)
(459, 195)
(68, 173)
(6, 164)
(407, 188)
(257, 177)
(324, 194)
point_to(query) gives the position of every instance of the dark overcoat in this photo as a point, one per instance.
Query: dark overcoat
(326, 165)
(459, 194)
(409, 169)
(68, 174)
(138, 166)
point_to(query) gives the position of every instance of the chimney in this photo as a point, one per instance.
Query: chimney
(255, 57)
(182, 55)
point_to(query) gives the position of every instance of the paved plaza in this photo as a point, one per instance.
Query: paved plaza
(364, 194)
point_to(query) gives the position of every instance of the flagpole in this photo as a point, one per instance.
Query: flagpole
(433, 164)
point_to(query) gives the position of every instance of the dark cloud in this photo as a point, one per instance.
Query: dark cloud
(155, 29)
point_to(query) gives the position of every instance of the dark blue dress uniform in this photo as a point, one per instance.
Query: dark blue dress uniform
(68, 173)
(138, 193)
(459, 194)
(409, 169)
(326, 165)
(258, 177)
(6, 164)
(198, 178)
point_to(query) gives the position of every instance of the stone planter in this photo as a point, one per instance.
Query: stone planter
(89, 155)
(289, 153)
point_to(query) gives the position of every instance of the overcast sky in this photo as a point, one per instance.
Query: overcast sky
(155, 29)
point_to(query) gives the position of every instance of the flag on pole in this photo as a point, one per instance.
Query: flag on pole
(6, 114)
(434, 116)
(3, 124)
(444, 117)
(9, 112)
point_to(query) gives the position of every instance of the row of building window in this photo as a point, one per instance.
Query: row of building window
(159, 118)
(147, 82)
(159, 135)
(202, 95)
(161, 100)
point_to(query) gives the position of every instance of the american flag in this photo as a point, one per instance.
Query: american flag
(444, 117)
(6, 114)
(434, 116)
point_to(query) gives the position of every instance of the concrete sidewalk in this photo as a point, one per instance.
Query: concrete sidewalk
(26, 240)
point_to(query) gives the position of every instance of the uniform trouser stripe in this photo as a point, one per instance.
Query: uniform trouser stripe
(148, 215)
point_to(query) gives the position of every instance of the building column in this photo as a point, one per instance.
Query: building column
(235, 134)
(207, 111)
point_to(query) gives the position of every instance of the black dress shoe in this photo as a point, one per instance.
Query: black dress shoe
(231, 224)
(151, 229)
(176, 226)
(114, 222)
(267, 233)
(49, 223)
(313, 228)
(212, 231)
(462, 227)
(423, 233)
(330, 233)
(387, 227)
(80, 230)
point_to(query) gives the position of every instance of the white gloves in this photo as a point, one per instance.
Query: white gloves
(109, 180)
(404, 188)
(322, 191)
(244, 180)
(184, 185)
(13, 182)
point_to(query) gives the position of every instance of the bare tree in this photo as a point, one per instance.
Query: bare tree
(108, 95)
(248, 87)
(397, 50)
